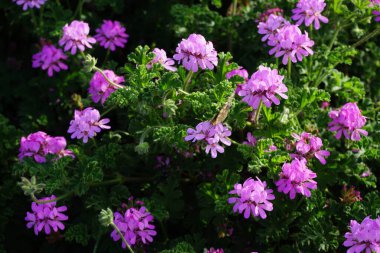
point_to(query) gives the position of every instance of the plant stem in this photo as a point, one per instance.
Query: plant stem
(257, 114)
(367, 37)
(122, 237)
(41, 17)
(108, 80)
(106, 57)
(51, 200)
(289, 69)
(79, 9)
(184, 92)
(108, 110)
(234, 8)
(34, 20)
(187, 80)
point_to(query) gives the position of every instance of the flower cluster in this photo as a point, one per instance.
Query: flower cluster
(212, 135)
(263, 86)
(377, 14)
(135, 225)
(29, 3)
(373, 3)
(86, 124)
(251, 140)
(75, 36)
(270, 27)
(38, 145)
(46, 216)
(161, 58)
(196, 52)
(265, 15)
(364, 236)
(111, 34)
(51, 59)
(350, 195)
(348, 121)
(212, 250)
(296, 178)
(252, 197)
(307, 146)
(100, 89)
(309, 11)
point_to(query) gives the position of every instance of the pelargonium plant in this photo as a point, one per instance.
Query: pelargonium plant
(51, 59)
(111, 34)
(76, 37)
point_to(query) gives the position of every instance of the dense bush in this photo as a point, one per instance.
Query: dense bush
(190, 126)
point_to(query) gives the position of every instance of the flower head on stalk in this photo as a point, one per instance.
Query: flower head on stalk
(161, 58)
(30, 4)
(75, 36)
(51, 59)
(111, 34)
(309, 12)
(100, 89)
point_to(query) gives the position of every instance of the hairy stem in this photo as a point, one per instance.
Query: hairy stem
(34, 198)
(122, 237)
(108, 80)
(258, 111)
(187, 80)
(367, 37)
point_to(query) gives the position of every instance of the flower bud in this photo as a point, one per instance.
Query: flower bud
(89, 63)
(106, 217)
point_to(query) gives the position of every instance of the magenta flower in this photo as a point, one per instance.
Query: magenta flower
(86, 124)
(46, 216)
(111, 34)
(161, 58)
(251, 140)
(38, 145)
(212, 250)
(309, 11)
(364, 236)
(271, 26)
(265, 15)
(29, 3)
(100, 89)
(263, 86)
(308, 146)
(51, 59)
(290, 43)
(252, 197)
(135, 225)
(196, 51)
(75, 36)
(296, 178)
(373, 3)
(377, 14)
(210, 135)
(348, 121)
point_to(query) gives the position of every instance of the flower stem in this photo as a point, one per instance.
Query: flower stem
(187, 80)
(68, 194)
(108, 80)
(367, 37)
(289, 69)
(184, 92)
(122, 237)
(34, 20)
(257, 114)
(106, 57)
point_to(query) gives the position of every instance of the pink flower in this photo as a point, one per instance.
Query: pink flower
(373, 3)
(29, 3)
(271, 26)
(38, 145)
(86, 124)
(46, 216)
(196, 51)
(212, 250)
(364, 236)
(161, 58)
(75, 36)
(348, 121)
(111, 34)
(308, 146)
(252, 197)
(100, 89)
(309, 11)
(251, 140)
(263, 86)
(296, 178)
(377, 14)
(51, 59)
(265, 15)
(325, 105)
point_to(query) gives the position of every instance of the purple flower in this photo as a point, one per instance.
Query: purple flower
(161, 58)
(252, 197)
(251, 140)
(100, 89)
(212, 250)
(75, 36)
(38, 145)
(309, 11)
(46, 216)
(348, 121)
(307, 146)
(86, 124)
(196, 51)
(377, 14)
(271, 26)
(211, 135)
(263, 86)
(296, 178)
(162, 161)
(135, 225)
(275, 11)
(111, 34)
(290, 43)
(364, 236)
(238, 72)
(29, 3)
(373, 3)
(51, 59)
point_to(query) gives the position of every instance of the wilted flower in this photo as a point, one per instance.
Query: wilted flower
(135, 225)
(296, 178)
(161, 58)
(275, 11)
(46, 216)
(196, 51)
(271, 26)
(348, 121)
(263, 86)
(75, 36)
(309, 11)
(252, 197)
(29, 3)
(364, 236)
(251, 140)
(100, 89)
(51, 59)
(350, 195)
(86, 124)
(38, 145)
(307, 146)
(111, 34)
